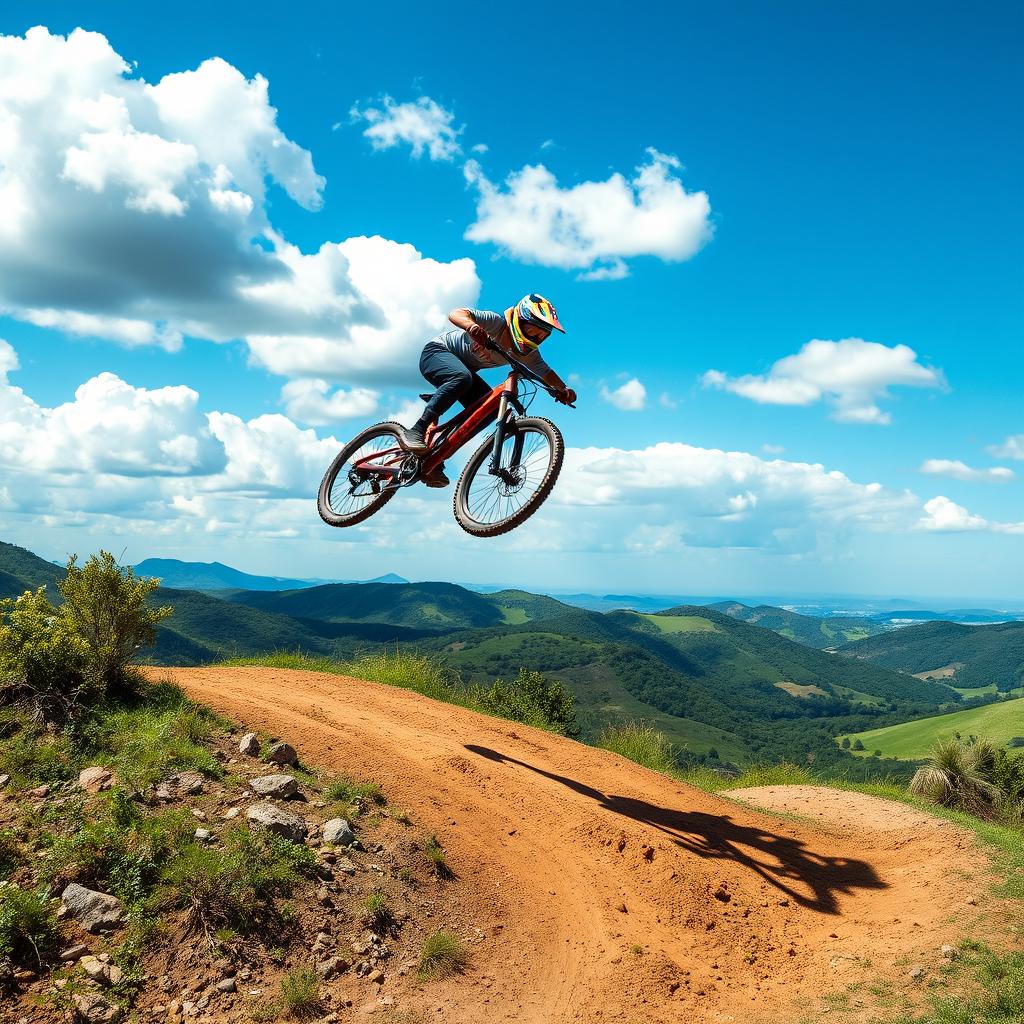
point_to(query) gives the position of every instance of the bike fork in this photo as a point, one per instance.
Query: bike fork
(499, 437)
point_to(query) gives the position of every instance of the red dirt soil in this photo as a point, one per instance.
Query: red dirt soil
(607, 892)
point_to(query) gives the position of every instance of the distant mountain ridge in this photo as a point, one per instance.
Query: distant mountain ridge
(214, 576)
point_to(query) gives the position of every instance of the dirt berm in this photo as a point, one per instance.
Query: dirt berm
(606, 892)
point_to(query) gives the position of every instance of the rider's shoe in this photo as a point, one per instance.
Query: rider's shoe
(437, 478)
(412, 440)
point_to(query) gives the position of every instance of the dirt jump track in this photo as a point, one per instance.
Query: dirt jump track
(606, 892)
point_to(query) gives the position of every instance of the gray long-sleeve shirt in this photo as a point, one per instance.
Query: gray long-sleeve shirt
(476, 357)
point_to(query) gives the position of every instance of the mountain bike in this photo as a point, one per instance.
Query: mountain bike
(505, 480)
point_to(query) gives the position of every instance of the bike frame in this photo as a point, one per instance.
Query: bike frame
(446, 439)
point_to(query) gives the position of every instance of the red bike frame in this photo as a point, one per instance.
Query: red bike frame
(446, 439)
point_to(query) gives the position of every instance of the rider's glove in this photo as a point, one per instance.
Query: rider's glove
(478, 334)
(566, 396)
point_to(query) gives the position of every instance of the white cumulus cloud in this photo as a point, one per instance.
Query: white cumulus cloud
(961, 471)
(852, 374)
(309, 400)
(136, 212)
(423, 124)
(593, 227)
(942, 515)
(630, 396)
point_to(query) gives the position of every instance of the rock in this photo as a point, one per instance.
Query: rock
(279, 821)
(250, 745)
(226, 984)
(115, 974)
(330, 967)
(4, 779)
(916, 973)
(94, 911)
(722, 894)
(204, 835)
(282, 753)
(279, 786)
(96, 1010)
(949, 952)
(231, 812)
(95, 969)
(376, 975)
(73, 953)
(345, 866)
(39, 791)
(339, 832)
(179, 785)
(972, 901)
(95, 779)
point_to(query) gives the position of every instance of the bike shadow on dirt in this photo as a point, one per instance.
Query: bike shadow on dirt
(779, 860)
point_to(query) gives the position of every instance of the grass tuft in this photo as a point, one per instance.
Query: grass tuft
(377, 912)
(300, 994)
(642, 743)
(442, 955)
(28, 927)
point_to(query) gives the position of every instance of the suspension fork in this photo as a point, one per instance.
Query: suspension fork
(501, 429)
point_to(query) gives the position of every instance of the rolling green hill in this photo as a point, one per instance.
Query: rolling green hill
(20, 570)
(972, 657)
(806, 629)
(428, 606)
(1000, 722)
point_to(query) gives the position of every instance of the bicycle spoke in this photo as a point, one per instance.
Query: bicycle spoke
(492, 499)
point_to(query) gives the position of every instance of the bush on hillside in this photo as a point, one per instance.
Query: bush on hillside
(106, 606)
(961, 774)
(642, 743)
(43, 662)
(59, 660)
(534, 699)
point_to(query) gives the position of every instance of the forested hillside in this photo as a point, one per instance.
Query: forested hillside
(829, 631)
(720, 688)
(969, 656)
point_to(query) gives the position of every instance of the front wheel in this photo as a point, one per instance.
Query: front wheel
(488, 504)
(361, 480)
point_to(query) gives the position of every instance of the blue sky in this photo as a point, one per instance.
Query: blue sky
(861, 169)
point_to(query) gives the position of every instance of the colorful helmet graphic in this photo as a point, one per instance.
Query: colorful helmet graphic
(533, 314)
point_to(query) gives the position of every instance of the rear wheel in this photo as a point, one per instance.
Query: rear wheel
(488, 505)
(350, 491)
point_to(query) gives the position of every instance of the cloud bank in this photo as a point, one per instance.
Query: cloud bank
(137, 212)
(853, 375)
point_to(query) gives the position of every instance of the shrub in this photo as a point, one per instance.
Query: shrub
(377, 912)
(961, 774)
(442, 954)
(11, 854)
(43, 659)
(120, 848)
(858, 745)
(34, 754)
(300, 993)
(846, 743)
(438, 857)
(534, 699)
(345, 791)
(147, 741)
(236, 887)
(642, 743)
(28, 927)
(107, 607)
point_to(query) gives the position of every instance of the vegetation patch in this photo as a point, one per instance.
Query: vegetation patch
(442, 955)
(642, 743)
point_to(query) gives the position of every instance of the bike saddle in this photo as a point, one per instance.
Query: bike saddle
(426, 398)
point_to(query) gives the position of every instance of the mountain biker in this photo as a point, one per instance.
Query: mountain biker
(479, 340)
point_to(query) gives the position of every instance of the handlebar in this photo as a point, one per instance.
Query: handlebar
(526, 372)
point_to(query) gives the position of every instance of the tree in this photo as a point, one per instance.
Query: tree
(106, 606)
(42, 660)
(846, 743)
(858, 745)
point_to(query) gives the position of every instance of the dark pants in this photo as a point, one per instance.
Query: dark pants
(453, 379)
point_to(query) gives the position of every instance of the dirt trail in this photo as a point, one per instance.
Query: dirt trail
(605, 892)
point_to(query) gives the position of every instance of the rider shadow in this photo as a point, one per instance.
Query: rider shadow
(783, 860)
